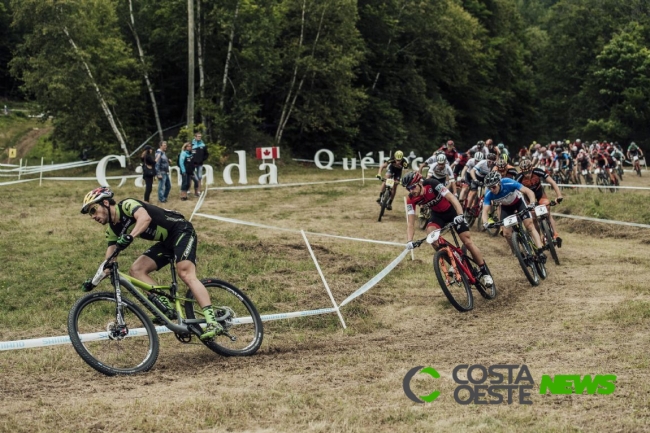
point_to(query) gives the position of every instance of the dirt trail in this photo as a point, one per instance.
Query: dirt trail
(29, 140)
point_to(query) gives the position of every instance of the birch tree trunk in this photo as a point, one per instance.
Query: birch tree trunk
(285, 106)
(390, 40)
(302, 80)
(199, 47)
(102, 101)
(227, 65)
(146, 75)
(190, 66)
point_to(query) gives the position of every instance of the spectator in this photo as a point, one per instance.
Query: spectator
(162, 172)
(148, 170)
(199, 155)
(187, 169)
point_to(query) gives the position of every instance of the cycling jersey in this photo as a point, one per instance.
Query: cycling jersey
(440, 172)
(564, 160)
(163, 221)
(534, 181)
(481, 169)
(432, 197)
(508, 194)
(395, 168)
(450, 154)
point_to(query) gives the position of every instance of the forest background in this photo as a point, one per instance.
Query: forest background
(350, 76)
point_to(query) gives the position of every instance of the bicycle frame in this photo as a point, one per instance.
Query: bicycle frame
(456, 255)
(139, 288)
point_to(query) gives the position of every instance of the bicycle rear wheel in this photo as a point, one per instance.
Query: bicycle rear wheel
(525, 258)
(131, 350)
(456, 289)
(242, 324)
(547, 237)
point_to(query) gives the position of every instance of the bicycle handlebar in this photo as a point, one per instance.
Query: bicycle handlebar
(500, 223)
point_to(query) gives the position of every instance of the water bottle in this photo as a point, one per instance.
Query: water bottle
(162, 306)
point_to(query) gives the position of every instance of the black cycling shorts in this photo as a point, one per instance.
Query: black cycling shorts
(181, 242)
(513, 209)
(441, 219)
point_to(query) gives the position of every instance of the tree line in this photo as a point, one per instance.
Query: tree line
(347, 75)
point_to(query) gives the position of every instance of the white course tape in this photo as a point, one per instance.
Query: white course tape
(377, 278)
(199, 203)
(16, 181)
(280, 185)
(138, 332)
(236, 221)
(599, 220)
(599, 186)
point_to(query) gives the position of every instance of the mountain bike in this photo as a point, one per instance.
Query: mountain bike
(637, 165)
(115, 336)
(545, 230)
(384, 200)
(524, 247)
(456, 271)
(474, 213)
(586, 175)
(603, 180)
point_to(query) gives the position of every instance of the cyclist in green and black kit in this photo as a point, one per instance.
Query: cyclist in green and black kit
(172, 233)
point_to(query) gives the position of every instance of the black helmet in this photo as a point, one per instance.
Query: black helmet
(491, 157)
(492, 178)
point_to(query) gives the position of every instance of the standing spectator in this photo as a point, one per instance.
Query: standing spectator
(148, 170)
(162, 172)
(199, 155)
(186, 163)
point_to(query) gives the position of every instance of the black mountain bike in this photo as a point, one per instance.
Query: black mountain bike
(545, 230)
(384, 200)
(115, 336)
(524, 248)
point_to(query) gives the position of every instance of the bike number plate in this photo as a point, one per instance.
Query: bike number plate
(510, 221)
(584, 172)
(540, 210)
(433, 236)
(390, 182)
(636, 158)
(597, 170)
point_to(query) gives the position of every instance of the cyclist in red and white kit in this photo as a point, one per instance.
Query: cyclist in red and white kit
(445, 209)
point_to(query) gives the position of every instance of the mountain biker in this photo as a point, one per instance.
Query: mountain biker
(583, 163)
(172, 232)
(394, 171)
(505, 169)
(477, 174)
(634, 154)
(508, 194)
(450, 151)
(440, 170)
(445, 209)
(605, 162)
(532, 179)
(478, 156)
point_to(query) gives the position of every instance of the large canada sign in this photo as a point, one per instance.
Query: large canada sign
(324, 159)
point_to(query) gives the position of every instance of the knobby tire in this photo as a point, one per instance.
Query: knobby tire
(523, 256)
(548, 236)
(459, 293)
(96, 313)
(249, 335)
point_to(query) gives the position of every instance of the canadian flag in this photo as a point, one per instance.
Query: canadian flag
(267, 152)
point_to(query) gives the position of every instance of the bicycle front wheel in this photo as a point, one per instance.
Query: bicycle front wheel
(453, 281)
(525, 258)
(103, 344)
(241, 322)
(547, 237)
(602, 183)
(385, 198)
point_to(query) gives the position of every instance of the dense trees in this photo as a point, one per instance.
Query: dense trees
(349, 75)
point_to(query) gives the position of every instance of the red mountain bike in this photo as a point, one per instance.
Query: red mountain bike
(456, 271)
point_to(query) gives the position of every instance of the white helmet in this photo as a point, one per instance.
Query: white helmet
(478, 156)
(441, 158)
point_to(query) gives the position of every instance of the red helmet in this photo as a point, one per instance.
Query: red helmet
(411, 179)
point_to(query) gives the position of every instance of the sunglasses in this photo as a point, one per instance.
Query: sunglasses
(494, 186)
(412, 187)
(93, 210)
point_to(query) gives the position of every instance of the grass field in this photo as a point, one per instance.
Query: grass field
(591, 316)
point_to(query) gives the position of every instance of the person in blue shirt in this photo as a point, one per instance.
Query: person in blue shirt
(199, 155)
(187, 169)
(509, 194)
